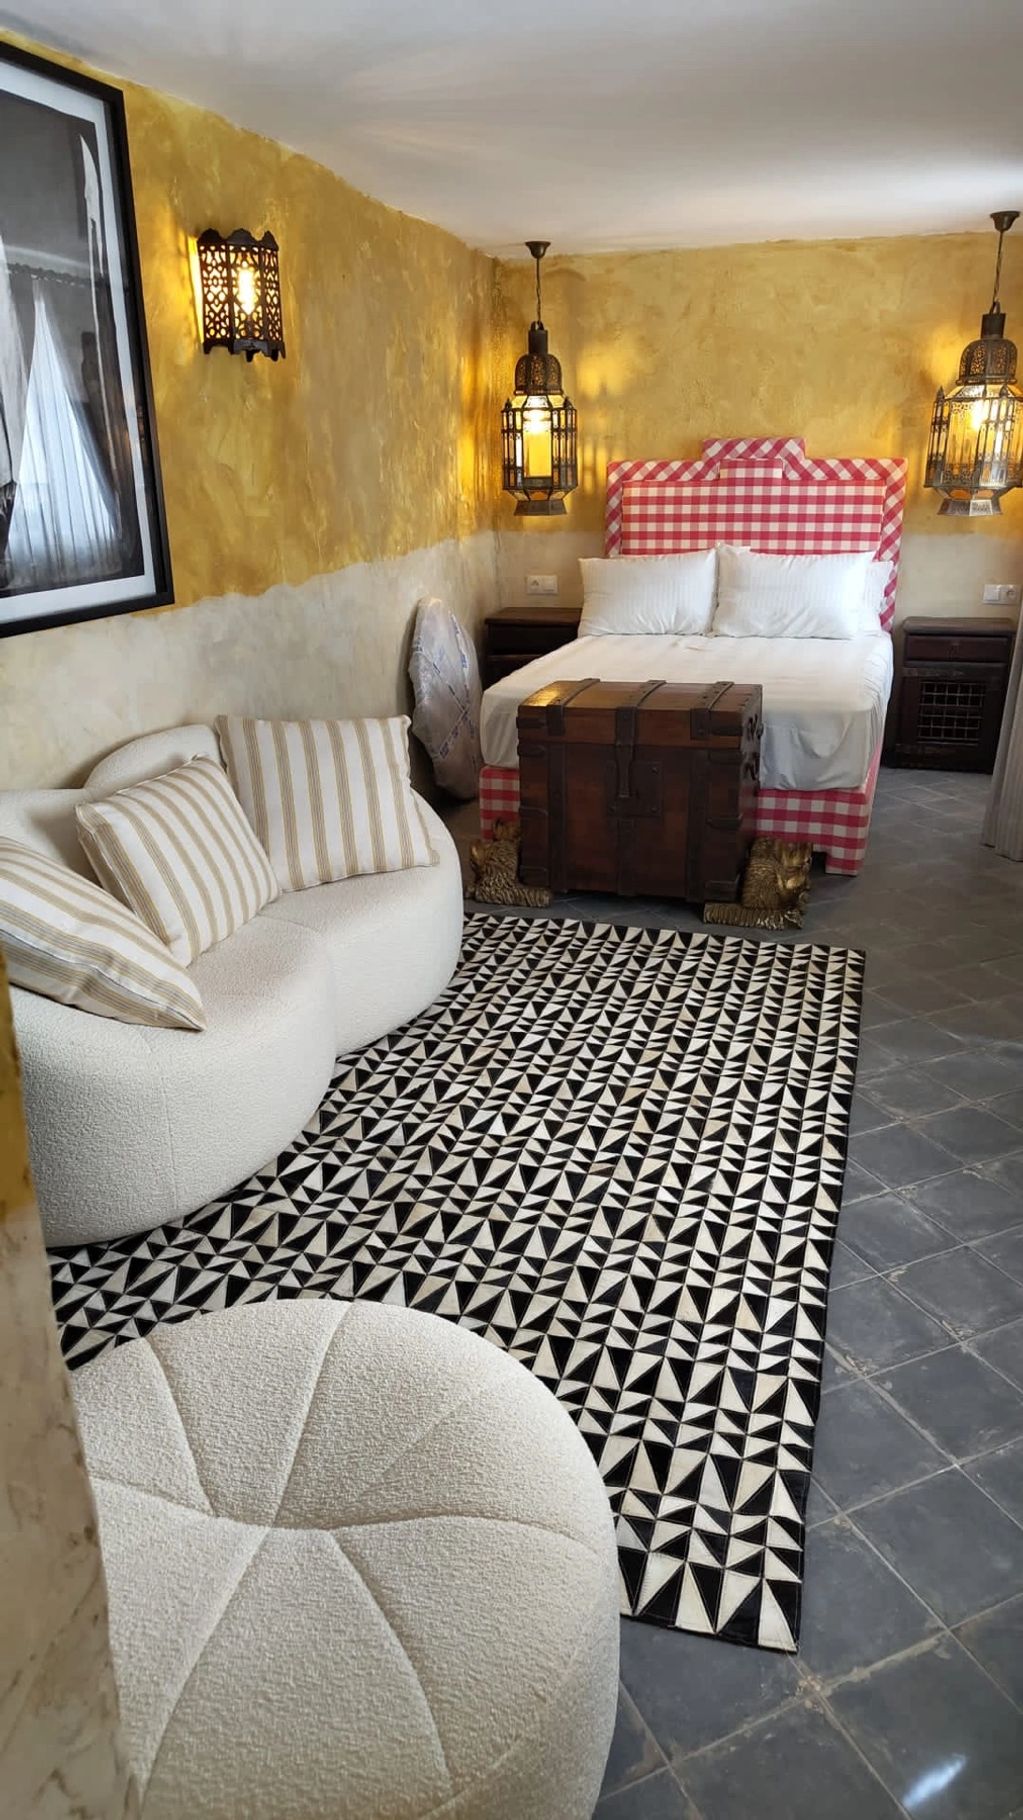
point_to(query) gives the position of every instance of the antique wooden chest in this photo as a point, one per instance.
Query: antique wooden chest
(639, 788)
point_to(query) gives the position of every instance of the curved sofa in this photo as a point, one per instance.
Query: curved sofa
(130, 1127)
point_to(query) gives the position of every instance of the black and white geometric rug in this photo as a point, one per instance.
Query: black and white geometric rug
(618, 1153)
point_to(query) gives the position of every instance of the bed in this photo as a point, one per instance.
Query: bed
(824, 701)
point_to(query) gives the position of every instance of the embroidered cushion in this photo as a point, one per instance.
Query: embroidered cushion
(66, 939)
(328, 799)
(446, 682)
(180, 852)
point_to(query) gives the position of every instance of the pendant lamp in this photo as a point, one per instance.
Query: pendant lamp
(538, 424)
(976, 448)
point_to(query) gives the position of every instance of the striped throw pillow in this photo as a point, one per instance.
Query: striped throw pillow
(179, 851)
(66, 939)
(329, 799)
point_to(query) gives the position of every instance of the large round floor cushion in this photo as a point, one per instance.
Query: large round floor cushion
(361, 1567)
(446, 684)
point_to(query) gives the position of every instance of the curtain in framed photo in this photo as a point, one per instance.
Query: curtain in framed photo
(64, 520)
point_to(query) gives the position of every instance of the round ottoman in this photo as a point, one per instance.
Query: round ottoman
(361, 1565)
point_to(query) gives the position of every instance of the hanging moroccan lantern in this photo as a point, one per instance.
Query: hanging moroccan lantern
(538, 424)
(976, 448)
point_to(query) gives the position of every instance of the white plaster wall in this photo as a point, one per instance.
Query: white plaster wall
(938, 574)
(335, 645)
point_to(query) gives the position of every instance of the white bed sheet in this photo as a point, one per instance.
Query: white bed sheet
(824, 698)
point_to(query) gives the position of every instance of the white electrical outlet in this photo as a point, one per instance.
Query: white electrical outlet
(541, 584)
(1000, 593)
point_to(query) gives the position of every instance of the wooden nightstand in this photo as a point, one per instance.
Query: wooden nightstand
(516, 635)
(952, 692)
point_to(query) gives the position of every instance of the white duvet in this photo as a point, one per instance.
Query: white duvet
(824, 698)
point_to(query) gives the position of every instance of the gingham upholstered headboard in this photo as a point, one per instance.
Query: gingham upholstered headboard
(765, 493)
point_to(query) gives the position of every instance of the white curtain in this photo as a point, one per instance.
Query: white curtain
(1003, 822)
(12, 379)
(97, 275)
(63, 526)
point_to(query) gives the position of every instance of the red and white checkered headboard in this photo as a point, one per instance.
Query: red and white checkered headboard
(765, 493)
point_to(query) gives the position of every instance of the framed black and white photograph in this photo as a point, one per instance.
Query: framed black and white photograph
(82, 529)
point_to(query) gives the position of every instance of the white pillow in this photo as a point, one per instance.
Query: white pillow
(648, 593)
(879, 574)
(762, 596)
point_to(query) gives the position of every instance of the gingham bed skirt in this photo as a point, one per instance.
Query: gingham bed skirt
(835, 822)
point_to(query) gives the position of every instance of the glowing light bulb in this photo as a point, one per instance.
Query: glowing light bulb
(536, 431)
(980, 413)
(245, 290)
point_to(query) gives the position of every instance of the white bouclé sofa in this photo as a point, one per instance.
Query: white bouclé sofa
(130, 1126)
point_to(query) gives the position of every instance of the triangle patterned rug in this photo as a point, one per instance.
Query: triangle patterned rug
(618, 1153)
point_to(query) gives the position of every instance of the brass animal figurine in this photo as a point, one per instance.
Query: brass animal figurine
(775, 888)
(495, 865)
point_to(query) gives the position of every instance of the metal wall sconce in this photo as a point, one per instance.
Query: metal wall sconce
(976, 448)
(240, 288)
(538, 424)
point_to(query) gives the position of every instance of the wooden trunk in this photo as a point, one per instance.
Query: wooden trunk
(639, 788)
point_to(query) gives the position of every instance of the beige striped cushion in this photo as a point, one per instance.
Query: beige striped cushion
(328, 798)
(66, 939)
(179, 850)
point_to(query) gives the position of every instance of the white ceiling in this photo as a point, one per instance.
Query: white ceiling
(643, 123)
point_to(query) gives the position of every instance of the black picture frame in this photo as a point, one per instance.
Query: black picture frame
(83, 529)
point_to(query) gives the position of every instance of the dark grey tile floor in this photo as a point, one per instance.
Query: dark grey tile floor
(906, 1696)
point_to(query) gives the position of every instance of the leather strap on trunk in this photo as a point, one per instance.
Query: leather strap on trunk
(625, 735)
(701, 716)
(556, 709)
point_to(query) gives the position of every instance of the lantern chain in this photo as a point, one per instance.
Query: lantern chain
(1003, 222)
(537, 249)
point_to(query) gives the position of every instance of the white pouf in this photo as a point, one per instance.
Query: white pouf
(361, 1567)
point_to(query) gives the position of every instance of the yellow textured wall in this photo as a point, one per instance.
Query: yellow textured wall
(372, 438)
(377, 436)
(842, 342)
